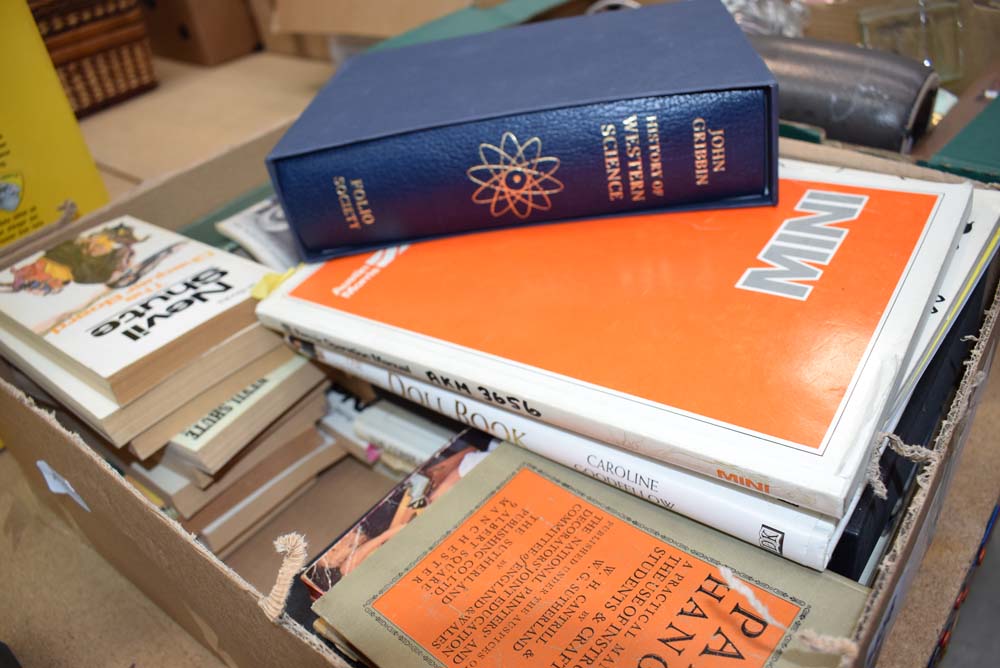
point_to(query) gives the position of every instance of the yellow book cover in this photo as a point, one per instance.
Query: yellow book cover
(47, 174)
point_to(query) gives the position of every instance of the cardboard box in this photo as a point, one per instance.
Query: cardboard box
(206, 33)
(296, 44)
(215, 604)
(372, 18)
(334, 30)
(165, 131)
(126, 627)
(978, 44)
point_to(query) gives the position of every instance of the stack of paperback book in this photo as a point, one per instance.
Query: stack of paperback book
(148, 342)
(742, 368)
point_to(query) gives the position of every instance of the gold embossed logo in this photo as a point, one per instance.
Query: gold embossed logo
(515, 177)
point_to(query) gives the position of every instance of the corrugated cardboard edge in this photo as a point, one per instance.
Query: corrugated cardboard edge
(911, 541)
(208, 599)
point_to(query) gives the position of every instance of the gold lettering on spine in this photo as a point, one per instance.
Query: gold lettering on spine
(700, 152)
(612, 162)
(633, 151)
(708, 148)
(718, 150)
(361, 202)
(353, 202)
(655, 155)
(346, 206)
(623, 154)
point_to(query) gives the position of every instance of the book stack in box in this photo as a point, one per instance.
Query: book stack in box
(149, 340)
(644, 438)
(739, 378)
(740, 368)
(392, 436)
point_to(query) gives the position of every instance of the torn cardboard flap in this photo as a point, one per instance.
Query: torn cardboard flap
(53, 579)
(910, 544)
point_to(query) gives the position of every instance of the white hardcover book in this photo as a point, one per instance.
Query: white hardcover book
(760, 346)
(800, 535)
(974, 251)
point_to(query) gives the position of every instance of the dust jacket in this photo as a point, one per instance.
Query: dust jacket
(622, 111)
(763, 347)
(525, 563)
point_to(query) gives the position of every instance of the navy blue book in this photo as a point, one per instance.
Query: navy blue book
(664, 106)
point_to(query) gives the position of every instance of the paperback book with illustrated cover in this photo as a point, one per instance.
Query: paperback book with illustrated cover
(125, 303)
(693, 338)
(530, 564)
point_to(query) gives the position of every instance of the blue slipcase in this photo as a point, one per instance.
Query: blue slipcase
(436, 139)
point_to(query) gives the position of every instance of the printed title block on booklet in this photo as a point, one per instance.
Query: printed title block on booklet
(663, 106)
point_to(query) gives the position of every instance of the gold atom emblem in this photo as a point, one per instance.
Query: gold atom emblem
(515, 177)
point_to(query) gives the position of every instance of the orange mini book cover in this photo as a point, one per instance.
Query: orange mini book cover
(713, 332)
(537, 572)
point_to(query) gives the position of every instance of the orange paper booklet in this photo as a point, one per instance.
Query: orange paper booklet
(759, 346)
(525, 563)
(125, 304)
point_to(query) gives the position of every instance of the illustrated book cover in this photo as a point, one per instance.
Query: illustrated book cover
(125, 303)
(759, 346)
(404, 502)
(530, 564)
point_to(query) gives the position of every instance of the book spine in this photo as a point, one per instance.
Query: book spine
(503, 393)
(572, 162)
(801, 536)
(394, 448)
